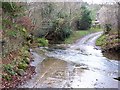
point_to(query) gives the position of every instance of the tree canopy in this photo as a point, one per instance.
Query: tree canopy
(85, 20)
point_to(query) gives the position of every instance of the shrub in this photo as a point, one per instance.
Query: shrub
(7, 77)
(26, 59)
(42, 41)
(8, 7)
(16, 27)
(60, 30)
(12, 33)
(8, 68)
(26, 22)
(12, 8)
(108, 27)
(22, 65)
(24, 51)
(85, 21)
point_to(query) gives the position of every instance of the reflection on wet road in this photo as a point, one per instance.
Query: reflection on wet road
(80, 65)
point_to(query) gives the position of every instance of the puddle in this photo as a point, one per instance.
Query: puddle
(49, 70)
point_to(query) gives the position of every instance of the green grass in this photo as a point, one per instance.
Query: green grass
(100, 41)
(79, 34)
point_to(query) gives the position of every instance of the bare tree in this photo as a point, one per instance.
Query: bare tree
(118, 16)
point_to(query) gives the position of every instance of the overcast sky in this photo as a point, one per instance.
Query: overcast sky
(89, 1)
(99, 1)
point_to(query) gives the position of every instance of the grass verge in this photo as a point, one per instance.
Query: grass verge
(79, 34)
(100, 41)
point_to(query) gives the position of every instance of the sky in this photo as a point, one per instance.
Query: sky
(99, 1)
(88, 1)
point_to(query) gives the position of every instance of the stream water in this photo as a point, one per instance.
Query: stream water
(80, 65)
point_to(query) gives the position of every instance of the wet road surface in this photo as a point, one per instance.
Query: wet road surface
(80, 65)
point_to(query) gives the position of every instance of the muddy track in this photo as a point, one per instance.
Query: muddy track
(80, 65)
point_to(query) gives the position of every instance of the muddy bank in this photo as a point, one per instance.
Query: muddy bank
(114, 55)
(111, 46)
